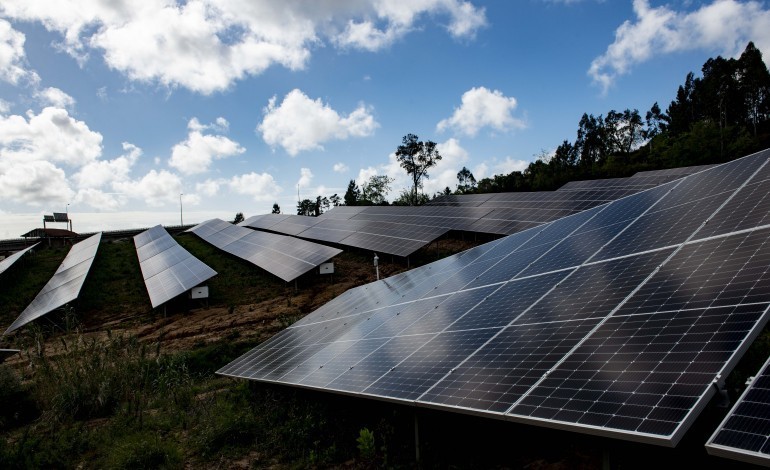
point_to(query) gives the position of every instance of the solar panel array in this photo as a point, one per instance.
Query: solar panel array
(400, 230)
(285, 257)
(168, 269)
(745, 432)
(393, 233)
(614, 321)
(8, 262)
(64, 286)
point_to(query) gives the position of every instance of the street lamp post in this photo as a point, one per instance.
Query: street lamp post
(181, 220)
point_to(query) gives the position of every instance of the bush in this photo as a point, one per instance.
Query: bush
(143, 450)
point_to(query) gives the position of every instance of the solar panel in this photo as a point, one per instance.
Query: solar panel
(64, 286)
(285, 257)
(5, 353)
(8, 262)
(168, 269)
(745, 431)
(614, 321)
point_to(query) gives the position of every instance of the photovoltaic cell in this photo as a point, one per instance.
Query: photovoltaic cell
(744, 434)
(613, 321)
(64, 286)
(167, 268)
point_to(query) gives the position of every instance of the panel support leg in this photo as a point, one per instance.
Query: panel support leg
(416, 439)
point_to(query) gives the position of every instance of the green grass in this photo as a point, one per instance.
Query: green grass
(114, 284)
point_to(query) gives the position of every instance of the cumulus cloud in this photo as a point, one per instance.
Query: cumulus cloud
(101, 200)
(12, 57)
(195, 154)
(260, 186)
(724, 26)
(100, 173)
(395, 18)
(301, 123)
(341, 168)
(453, 158)
(305, 177)
(206, 45)
(35, 183)
(481, 108)
(495, 166)
(156, 188)
(209, 187)
(52, 135)
(54, 97)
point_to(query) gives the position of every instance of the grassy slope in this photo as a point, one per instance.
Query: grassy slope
(118, 384)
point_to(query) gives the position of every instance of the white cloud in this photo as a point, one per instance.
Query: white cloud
(724, 26)
(206, 45)
(261, 186)
(341, 168)
(395, 18)
(35, 183)
(55, 97)
(100, 173)
(156, 188)
(480, 108)
(12, 57)
(510, 165)
(52, 135)
(305, 177)
(195, 154)
(453, 158)
(5, 107)
(209, 187)
(300, 123)
(219, 125)
(99, 199)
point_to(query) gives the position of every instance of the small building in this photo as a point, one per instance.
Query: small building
(52, 236)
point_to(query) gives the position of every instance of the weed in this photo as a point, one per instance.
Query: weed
(365, 444)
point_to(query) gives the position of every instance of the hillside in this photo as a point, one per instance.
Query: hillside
(111, 370)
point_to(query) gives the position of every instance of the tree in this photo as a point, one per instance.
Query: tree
(754, 84)
(335, 200)
(238, 218)
(376, 189)
(466, 182)
(306, 207)
(276, 208)
(352, 195)
(416, 157)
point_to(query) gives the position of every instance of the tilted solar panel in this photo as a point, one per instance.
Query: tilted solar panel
(64, 286)
(6, 353)
(285, 257)
(168, 269)
(614, 321)
(744, 434)
(8, 262)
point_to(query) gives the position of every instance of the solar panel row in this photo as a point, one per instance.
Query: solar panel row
(400, 230)
(285, 257)
(8, 262)
(168, 269)
(64, 286)
(613, 321)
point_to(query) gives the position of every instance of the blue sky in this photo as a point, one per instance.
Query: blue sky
(116, 108)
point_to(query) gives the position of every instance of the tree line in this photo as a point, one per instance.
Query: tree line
(723, 115)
